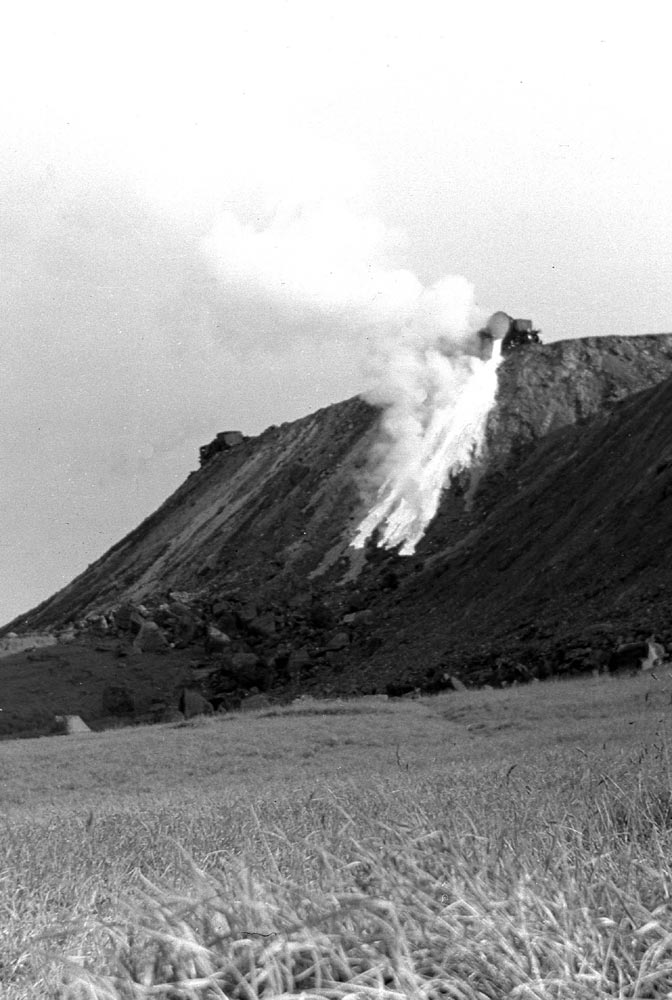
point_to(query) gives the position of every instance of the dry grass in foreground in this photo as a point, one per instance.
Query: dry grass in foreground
(488, 845)
(582, 910)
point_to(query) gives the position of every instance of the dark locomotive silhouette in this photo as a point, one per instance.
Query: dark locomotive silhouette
(513, 333)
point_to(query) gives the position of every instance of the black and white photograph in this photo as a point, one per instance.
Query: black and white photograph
(335, 501)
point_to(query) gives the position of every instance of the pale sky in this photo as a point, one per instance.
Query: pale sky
(201, 202)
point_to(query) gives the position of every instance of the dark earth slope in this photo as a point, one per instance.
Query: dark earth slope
(568, 555)
(255, 518)
(561, 552)
(278, 510)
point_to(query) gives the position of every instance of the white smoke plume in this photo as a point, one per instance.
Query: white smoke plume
(323, 268)
(436, 393)
(435, 428)
(326, 271)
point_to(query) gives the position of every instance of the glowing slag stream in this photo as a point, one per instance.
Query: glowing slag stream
(451, 439)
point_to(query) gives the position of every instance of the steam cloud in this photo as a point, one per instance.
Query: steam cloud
(130, 338)
(433, 431)
(437, 396)
(324, 269)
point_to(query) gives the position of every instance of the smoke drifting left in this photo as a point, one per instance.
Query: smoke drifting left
(132, 334)
(329, 273)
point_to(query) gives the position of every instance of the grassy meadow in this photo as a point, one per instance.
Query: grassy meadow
(477, 844)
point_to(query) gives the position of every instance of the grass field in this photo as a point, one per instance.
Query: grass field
(476, 844)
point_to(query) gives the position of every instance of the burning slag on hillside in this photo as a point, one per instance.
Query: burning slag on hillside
(436, 405)
(323, 267)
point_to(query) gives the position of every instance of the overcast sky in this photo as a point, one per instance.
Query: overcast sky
(200, 202)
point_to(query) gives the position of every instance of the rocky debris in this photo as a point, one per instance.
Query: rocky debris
(636, 656)
(156, 627)
(216, 641)
(456, 684)
(187, 626)
(578, 659)
(127, 618)
(320, 615)
(432, 682)
(298, 655)
(71, 725)
(248, 668)
(95, 622)
(223, 616)
(359, 618)
(246, 614)
(150, 639)
(271, 646)
(227, 703)
(628, 656)
(179, 610)
(199, 673)
(158, 708)
(656, 656)
(438, 681)
(239, 672)
(299, 664)
(183, 624)
(193, 703)
(118, 700)
(340, 640)
(264, 625)
(537, 660)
